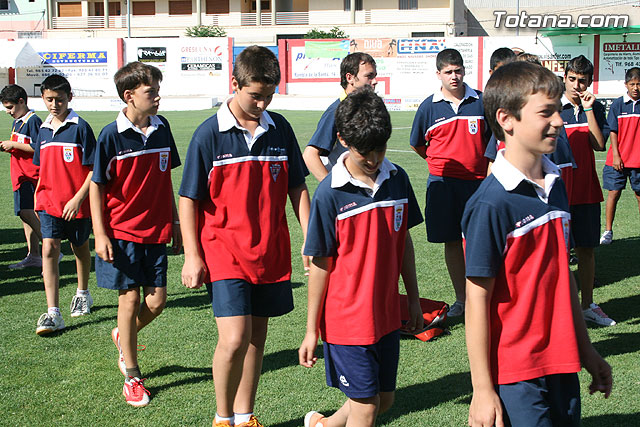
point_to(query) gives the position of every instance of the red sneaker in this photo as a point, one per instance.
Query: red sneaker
(135, 393)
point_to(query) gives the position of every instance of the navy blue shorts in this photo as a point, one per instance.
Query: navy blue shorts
(23, 197)
(134, 265)
(77, 230)
(617, 180)
(237, 297)
(553, 400)
(446, 198)
(363, 371)
(585, 225)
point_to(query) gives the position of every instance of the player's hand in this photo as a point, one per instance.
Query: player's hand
(617, 162)
(71, 209)
(104, 248)
(587, 99)
(193, 272)
(176, 238)
(306, 261)
(307, 350)
(6, 145)
(485, 410)
(601, 379)
(416, 321)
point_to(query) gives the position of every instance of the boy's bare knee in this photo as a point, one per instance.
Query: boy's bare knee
(50, 248)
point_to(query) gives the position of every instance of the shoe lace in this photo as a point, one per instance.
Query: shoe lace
(597, 310)
(76, 303)
(138, 384)
(253, 422)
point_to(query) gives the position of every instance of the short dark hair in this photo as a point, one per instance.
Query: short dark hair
(57, 83)
(529, 57)
(448, 57)
(13, 94)
(256, 64)
(501, 56)
(135, 74)
(351, 64)
(632, 74)
(363, 122)
(579, 65)
(510, 87)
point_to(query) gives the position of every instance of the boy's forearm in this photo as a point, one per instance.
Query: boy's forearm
(317, 288)
(96, 203)
(582, 336)
(299, 197)
(595, 133)
(613, 138)
(311, 156)
(477, 331)
(83, 192)
(408, 272)
(422, 151)
(188, 214)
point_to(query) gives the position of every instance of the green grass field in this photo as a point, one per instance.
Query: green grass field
(72, 378)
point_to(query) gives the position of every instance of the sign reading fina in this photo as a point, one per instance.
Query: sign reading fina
(61, 58)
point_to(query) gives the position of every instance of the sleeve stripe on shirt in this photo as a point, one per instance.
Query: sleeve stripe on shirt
(133, 154)
(544, 219)
(565, 165)
(250, 159)
(576, 125)
(628, 116)
(371, 206)
(444, 122)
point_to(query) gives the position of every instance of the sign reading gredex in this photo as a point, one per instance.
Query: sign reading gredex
(152, 54)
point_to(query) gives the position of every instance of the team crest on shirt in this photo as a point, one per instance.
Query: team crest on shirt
(67, 153)
(164, 161)
(473, 126)
(275, 170)
(398, 214)
(566, 228)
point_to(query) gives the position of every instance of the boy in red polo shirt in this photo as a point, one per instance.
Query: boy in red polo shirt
(24, 174)
(526, 336)
(360, 242)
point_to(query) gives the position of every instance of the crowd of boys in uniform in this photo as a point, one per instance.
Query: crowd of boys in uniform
(359, 217)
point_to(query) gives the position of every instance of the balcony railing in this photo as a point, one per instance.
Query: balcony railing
(337, 17)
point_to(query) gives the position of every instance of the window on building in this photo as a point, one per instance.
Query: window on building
(264, 4)
(407, 4)
(143, 8)
(69, 9)
(4, 4)
(347, 5)
(217, 7)
(180, 7)
(114, 9)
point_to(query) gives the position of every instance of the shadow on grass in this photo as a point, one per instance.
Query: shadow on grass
(419, 397)
(612, 420)
(618, 261)
(618, 344)
(194, 299)
(622, 309)
(285, 359)
(197, 375)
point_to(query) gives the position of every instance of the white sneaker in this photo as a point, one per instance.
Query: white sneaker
(607, 237)
(595, 314)
(81, 305)
(28, 261)
(48, 324)
(457, 309)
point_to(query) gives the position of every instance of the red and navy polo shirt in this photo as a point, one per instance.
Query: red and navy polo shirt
(241, 183)
(518, 233)
(135, 169)
(624, 120)
(24, 131)
(455, 139)
(364, 231)
(65, 157)
(325, 137)
(584, 185)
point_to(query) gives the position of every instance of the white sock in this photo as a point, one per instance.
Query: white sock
(82, 292)
(242, 418)
(53, 311)
(219, 418)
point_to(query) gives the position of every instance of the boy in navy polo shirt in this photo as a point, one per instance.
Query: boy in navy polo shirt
(24, 174)
(623, 158)
(241, 164)
(357, 69)
(450, 133)
(586, 126)
(359, 239)
(134, 214)
(526, 336)
(64, 152)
